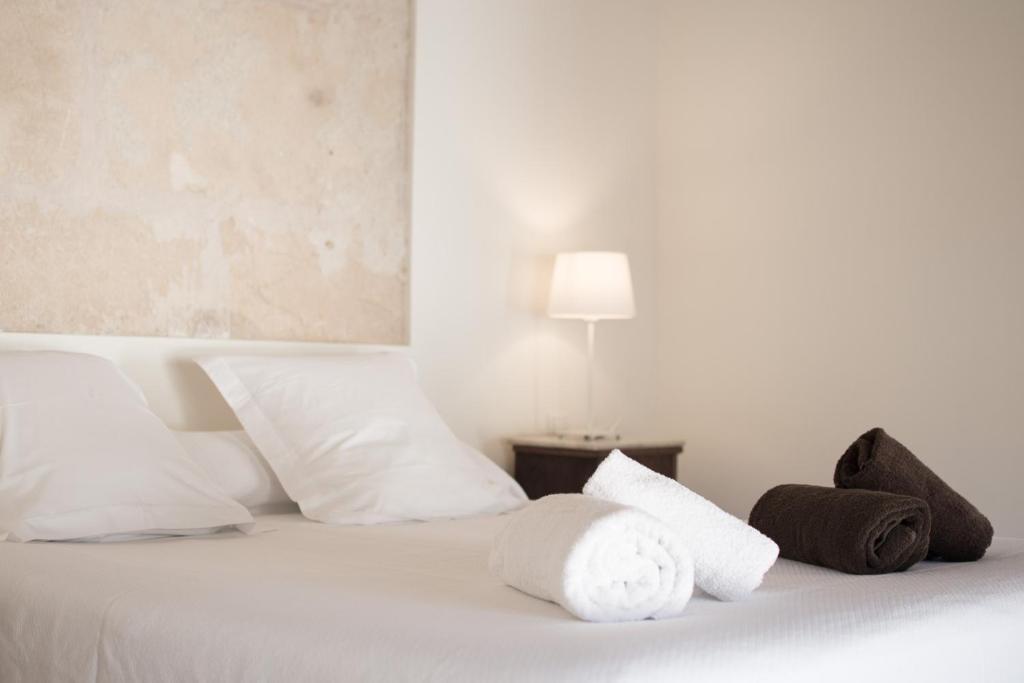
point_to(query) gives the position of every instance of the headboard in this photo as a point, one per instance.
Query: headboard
(177, 389)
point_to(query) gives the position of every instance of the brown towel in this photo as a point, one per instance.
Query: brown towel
(879, 462)
(857, 532)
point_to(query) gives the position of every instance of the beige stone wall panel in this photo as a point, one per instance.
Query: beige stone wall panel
(200, 168)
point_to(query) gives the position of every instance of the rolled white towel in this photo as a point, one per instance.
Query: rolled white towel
(730, 557)
(599, 560)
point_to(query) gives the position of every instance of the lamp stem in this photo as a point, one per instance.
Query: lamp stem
(591, 325)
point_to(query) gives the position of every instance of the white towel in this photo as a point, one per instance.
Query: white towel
(599, 560)
(730, 558)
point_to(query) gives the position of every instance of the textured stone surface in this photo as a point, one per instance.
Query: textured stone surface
(201, 168)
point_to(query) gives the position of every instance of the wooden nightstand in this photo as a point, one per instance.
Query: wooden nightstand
(553, 464)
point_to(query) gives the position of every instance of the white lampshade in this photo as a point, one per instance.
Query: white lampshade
(591, 285)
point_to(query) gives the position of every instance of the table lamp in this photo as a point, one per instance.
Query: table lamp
(591, 286)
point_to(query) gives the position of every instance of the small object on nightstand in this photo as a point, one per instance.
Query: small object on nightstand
(557, 464)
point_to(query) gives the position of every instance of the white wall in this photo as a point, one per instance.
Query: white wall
(533, 134)
(841, 239)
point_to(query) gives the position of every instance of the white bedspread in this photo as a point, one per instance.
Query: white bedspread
(310, 602)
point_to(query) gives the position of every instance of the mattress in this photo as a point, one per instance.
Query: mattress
(310, 602)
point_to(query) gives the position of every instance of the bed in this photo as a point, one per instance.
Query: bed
(300, 600)
(303, 601)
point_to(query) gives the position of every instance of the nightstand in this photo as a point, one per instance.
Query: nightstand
(553, 464)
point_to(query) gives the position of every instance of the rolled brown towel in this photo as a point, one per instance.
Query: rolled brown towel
(857, 532)
(879, 462)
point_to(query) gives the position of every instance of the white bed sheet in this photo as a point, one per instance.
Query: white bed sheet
(309, 602)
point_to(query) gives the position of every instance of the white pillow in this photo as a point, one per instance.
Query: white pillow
(232, 461)
(354, 440)
(83, 457)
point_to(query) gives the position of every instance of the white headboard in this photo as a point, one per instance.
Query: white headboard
(177, 390)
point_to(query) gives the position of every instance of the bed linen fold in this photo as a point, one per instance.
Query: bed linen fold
(730, 557)
(876, 461)
(854, 531)
(599, 560)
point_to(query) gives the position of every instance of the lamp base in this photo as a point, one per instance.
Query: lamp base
(584, 435)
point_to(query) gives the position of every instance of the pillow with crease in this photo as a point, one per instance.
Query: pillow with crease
(231, 460)
(354, 440)
(82, 457)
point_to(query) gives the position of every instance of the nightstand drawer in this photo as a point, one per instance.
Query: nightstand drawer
(545, 469)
